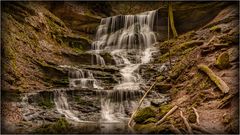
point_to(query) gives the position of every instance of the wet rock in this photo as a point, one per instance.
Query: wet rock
(78, 42)
(163, 88)
(222, 61)
(158, 102)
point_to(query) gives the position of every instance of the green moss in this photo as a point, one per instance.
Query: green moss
(61, 126)
(192, 117)
(46, 103)
(144, 114)
(222, 61)
(163, 109)
(215, 29)
(45, 100)
(150, 120)
(217, 80)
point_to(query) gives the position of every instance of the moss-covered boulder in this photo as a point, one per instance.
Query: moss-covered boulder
(163, 109)
(144, 114)
(222, 61)
(150, 120)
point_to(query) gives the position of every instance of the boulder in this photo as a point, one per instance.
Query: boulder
(162, 87)
(144, 114)
(222, 61)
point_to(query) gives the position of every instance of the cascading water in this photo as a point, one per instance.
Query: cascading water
(82, 79)
(122, 35)
(129, 40)
(62, 105)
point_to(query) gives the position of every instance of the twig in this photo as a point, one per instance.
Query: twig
(165, 116)
(186, 123)
(140, 103)
(197, 115)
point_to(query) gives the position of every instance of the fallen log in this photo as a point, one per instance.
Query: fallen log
(217, 80)
(186, 123)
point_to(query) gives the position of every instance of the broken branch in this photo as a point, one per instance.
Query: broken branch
(165, 116)
(140, 103)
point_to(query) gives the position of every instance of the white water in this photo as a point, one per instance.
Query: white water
(119, 35)
(129, 40)
(82, 79)
(62, 106)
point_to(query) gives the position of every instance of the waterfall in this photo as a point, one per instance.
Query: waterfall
(82, 79)
(129, 40)
(62, 106)
(121, 35)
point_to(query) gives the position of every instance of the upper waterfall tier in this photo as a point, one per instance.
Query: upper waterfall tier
(126, 32)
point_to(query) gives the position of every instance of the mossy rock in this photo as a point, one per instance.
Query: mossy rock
(150, 120)
(61, 126)
(222, 61)
(163, 87)
(144, 114)
(215, 29)
(163, 109)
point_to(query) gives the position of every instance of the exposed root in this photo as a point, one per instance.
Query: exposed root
(226, 100)
(203, 130)
(165, 116)
(174, 129)
(186, 123)
(197, 115)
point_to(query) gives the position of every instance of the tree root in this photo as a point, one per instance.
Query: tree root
(186, 123)
(203, 130)
(197, 115)
(174, 129)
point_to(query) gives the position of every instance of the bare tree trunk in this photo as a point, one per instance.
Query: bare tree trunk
(170, 15)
